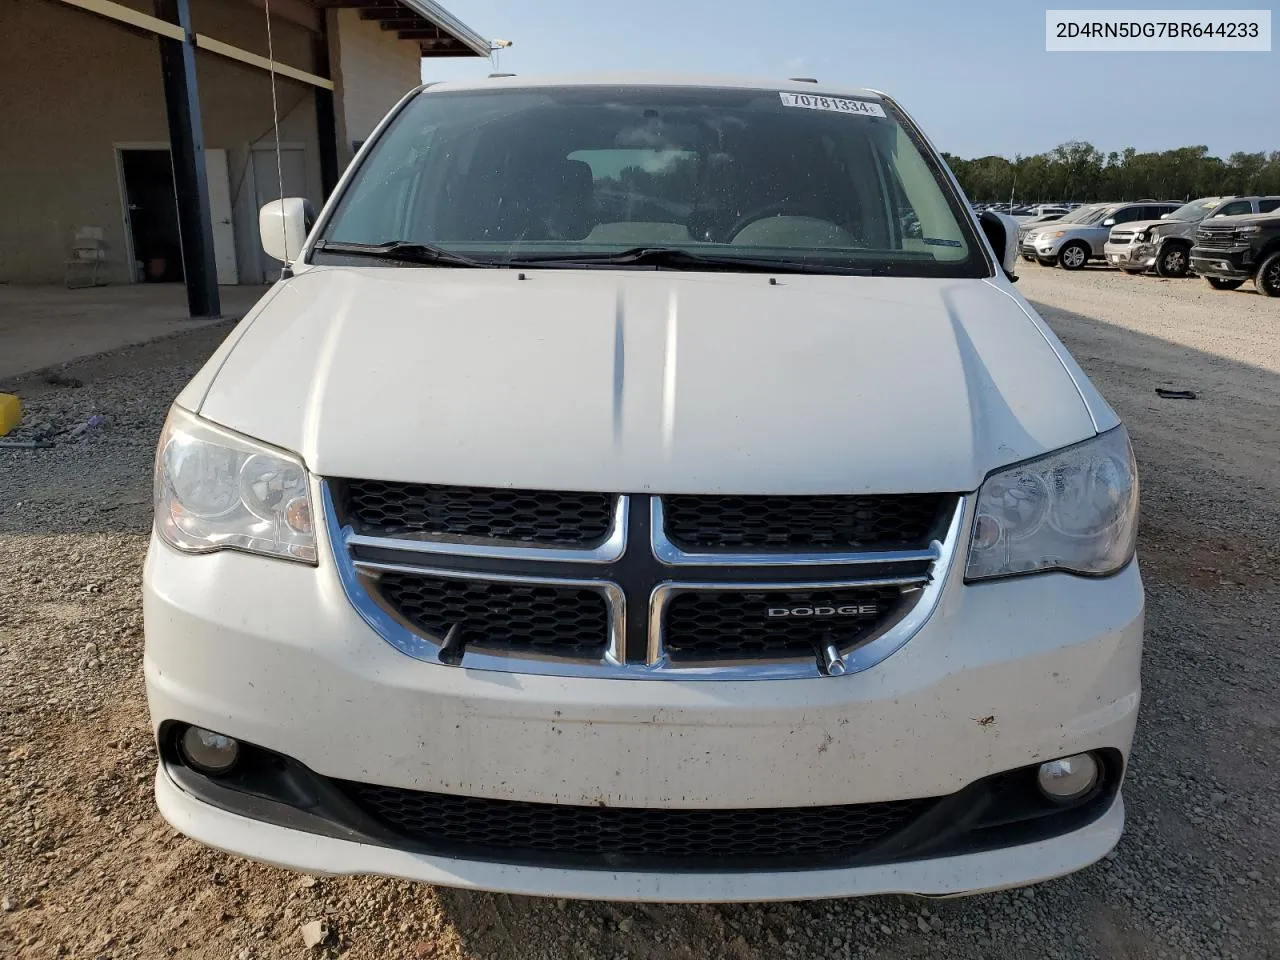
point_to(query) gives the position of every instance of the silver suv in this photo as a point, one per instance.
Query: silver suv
(1034, 224)
(1082, 234)
(1166, 243)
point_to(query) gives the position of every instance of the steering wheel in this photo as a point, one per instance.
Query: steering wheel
(792, 207)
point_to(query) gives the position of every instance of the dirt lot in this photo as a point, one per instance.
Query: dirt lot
(88, 869)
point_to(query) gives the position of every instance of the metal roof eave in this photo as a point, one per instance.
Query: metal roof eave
(435, 13)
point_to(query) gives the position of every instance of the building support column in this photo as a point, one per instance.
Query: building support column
(326, 122)
(186, 150)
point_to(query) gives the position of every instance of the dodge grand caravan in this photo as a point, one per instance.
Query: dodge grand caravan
(646, 489)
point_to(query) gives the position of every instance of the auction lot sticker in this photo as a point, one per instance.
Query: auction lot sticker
(809, 101)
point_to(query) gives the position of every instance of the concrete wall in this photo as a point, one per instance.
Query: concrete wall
(73, 86)
(371, 71)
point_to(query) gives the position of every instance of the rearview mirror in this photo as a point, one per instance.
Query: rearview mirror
(1001, 231)
(283, 226)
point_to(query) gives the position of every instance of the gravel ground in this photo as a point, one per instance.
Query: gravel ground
(88, 869)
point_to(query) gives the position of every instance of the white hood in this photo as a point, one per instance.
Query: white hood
(1170, 227)
(636, 381)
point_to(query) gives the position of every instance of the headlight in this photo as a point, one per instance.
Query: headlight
(1248, 231)
(1055, 234)
(1143, 236)
(217, 490)
(1075, 510)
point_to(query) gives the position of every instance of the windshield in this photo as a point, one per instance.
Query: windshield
(536, 175)
(1081, 215)
(1196, 210)
(1094, 214)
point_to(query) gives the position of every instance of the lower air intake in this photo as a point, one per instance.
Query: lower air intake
(481, 828)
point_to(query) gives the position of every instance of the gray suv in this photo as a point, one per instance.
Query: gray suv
(1082, 234)
(1166, 243)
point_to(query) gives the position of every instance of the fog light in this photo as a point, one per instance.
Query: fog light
(1069, 778)
(207, 751)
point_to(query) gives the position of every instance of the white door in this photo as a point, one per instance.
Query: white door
(224, 232)
(266, 181)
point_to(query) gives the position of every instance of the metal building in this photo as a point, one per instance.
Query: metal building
(146, 125)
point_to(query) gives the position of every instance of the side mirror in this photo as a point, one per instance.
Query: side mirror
(283, 226)
(1109, 222)
(1001, 231)
(1164, 216)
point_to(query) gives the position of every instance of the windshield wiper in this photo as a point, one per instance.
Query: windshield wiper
(670, 258)
(676, 258)
(402, 251)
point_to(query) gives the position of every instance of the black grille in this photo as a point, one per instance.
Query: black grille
(564, 621)
(1221, 238)
(512, 830)
(804, 523)
(531, 516)
(723, 625)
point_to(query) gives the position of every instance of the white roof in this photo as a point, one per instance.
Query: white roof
(659, 80)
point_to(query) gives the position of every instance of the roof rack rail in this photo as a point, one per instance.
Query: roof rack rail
(803, 79)
(492, 75)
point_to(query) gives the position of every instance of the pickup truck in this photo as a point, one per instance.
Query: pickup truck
(1234, 249)
(749, 539)
(1165, 244)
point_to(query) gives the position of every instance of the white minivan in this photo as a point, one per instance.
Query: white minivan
(646, 488)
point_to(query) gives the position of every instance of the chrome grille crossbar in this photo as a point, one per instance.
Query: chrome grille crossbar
(639, 571)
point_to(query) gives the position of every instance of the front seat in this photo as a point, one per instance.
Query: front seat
(573, 212)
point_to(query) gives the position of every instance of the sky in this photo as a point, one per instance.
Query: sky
(974, 75)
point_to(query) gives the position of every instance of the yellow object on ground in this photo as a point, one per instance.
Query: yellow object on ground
(10, 412)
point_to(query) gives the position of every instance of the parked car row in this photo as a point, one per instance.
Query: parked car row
(1081, 235)
(1026, 210)
(1227, 240)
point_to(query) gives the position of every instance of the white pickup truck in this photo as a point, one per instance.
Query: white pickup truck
(646, 488)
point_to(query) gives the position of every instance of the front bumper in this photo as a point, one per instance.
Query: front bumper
(1004, 674)
(1234, 264)
(1130, 256)
(945, 876)
(1044, 249)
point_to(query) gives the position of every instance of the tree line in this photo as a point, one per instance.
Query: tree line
(1079, 171)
